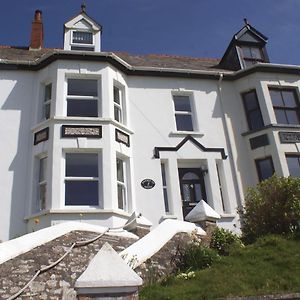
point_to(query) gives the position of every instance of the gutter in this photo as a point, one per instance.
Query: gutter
(128, 69)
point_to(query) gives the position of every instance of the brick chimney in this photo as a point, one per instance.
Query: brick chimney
(37, 34)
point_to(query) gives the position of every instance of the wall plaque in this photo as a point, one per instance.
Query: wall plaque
(72, 131)
(148, 184)
(289, 137)
(41, 136)
(259, 141)
(122, 137)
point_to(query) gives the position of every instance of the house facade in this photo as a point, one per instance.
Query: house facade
(94, 136)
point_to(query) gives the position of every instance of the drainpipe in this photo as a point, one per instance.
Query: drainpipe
(231, 150)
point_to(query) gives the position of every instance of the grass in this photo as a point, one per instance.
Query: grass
(270, 266)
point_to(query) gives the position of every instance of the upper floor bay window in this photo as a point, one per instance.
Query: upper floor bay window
(42, 183)
(286, 105)
(183, 113)
(47, 101)
(252, 55)
(121, 184)
(82, 98)
(118, 105)
(252, 109)
(82, 179)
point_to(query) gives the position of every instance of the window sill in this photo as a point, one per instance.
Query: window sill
(185, 133)
(77, 211)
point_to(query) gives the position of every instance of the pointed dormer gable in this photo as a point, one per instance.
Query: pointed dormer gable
(82, 33)
(247, 47)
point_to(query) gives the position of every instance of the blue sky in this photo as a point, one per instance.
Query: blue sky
(199, 28)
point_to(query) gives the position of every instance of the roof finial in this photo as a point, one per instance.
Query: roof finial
(246, 21)
(83, 7)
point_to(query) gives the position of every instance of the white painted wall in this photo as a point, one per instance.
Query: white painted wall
(219, 121)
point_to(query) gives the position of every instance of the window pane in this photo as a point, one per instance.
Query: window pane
(81, 192)
(81, 37)
(255, 120)
(43, 169)
(294, 165)
(265, 167)
(182, 103)
(246, 52)
(117, 95)
(48, 91)
(184, 122)
(280, 116)
(167, 209)
(42, 196)
(81, 165)
(276, 98)
(121, 196)
(256, 53)
(120, 170)
(163, 175)
(250, 100)
(289, 98)
(82, 87)
(117, 114)
(47, 111)
(292, 117)
(82, 108)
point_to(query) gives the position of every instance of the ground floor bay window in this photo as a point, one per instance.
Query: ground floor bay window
(293, 161)
(82, 179)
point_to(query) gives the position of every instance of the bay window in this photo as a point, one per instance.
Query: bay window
(265, 168)
(286, 105)
(82, 179)
(82, 98)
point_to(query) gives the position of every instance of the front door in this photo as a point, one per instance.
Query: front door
(192, 188)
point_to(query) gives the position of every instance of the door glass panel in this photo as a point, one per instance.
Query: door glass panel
(186, 193)
(198, 192)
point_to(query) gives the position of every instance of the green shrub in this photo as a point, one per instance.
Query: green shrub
(196, 257)
(272, 207)
(223, 241)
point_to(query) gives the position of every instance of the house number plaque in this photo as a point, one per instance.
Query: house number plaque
(148, 184)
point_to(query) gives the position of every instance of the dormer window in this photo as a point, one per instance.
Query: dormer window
(82, 40)
(82, 33)
(252, 55)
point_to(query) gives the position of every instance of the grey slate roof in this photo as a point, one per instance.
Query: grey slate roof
(19, 55)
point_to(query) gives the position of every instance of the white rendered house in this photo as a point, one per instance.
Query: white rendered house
(94, 136)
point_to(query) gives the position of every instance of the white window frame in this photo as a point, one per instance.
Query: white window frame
(42, 183)
(122, 184)
(119, 106)
(81, 178)
(186, 113)
(82, 97)
(82, 44)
